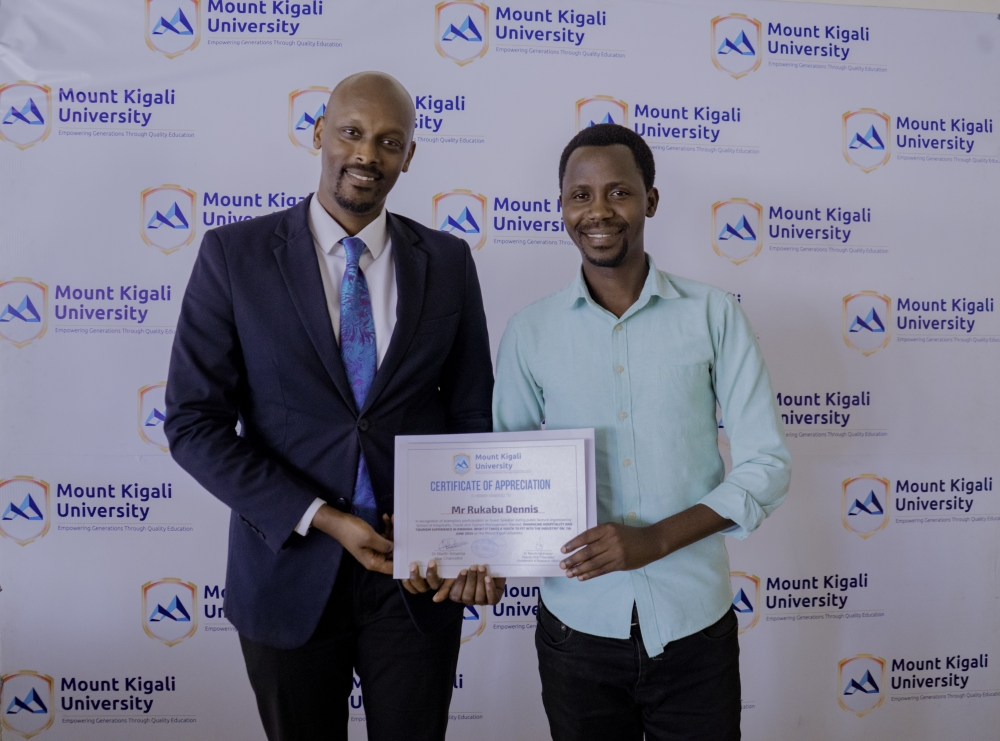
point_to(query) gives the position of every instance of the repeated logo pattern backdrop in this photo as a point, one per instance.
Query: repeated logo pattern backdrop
(836, 168)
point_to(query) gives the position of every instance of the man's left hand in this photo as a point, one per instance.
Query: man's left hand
(611, 547)
(474, 586)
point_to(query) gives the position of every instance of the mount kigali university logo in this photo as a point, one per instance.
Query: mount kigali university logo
(305, 108)
(173, 26)
(27, 703)
(461, 30)
(746, 600)
(865, 136)
(460, 463)
(736, 44)
(600, 109)
(865, 504)
(462, 213)
(25, 113)
(169, 610)
(24, 314)
(737, 229)
(153, 414)
(860, 681)
(167, 217)
(867, 321)
(25, 505)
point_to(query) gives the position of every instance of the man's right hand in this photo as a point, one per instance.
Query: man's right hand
(369, 548)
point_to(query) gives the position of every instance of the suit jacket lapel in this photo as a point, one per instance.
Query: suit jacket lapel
(411, 275)
(299, 266)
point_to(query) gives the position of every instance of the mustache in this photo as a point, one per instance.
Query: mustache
(371, 170)
(603, 226)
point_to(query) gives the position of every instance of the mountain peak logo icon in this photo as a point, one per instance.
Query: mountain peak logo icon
(25, 311)
(740, 46)
(866, 685)
(872, 322)
(871, 140)
(28, 510)
(28, 114)
(174, 611)
(871, 506)
(741, 603)
(31, 703)
(742, 230)
(606, 120)
(156, 417)
(460, 464)
(466, 32)
(465, 223)
(306, 121)
(174, 218)
(178, 24)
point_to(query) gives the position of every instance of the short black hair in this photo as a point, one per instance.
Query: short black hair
(604, 135)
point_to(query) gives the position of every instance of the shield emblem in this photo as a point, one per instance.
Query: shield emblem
(305, 107)
(25, 113)
(867, 321)
(866, 138)
(167, 217)
(473, 622)
(173, 26)
(600, 109)
(27, 702)
(746, 599)
(24, 314)
(861, 684)
(153, 414)
(24, 502)
(462, 213)
(737, 229)
(461, 30)
(460, 464)
(169, 610)
(865, 504)
(736, 44)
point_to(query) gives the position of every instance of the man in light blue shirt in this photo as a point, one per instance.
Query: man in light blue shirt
(640, 638)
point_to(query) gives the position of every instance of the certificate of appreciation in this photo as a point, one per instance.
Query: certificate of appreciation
(509, 500)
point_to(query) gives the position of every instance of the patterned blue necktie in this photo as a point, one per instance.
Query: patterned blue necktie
(358, 351)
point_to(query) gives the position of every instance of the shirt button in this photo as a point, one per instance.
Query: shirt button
(628, 462)
(618, 328)
(620, 369)
(631, 515)
(623, 415)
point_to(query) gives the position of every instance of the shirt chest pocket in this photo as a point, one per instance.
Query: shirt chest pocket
(684, 400)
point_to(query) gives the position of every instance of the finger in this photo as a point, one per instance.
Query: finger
(492, 595)
(379, 544)
(381, 564)
(432, 577)
(590, 568)
(469, 593)
(388, 529)
(408, 586)
(481, 586)
(415, 579)
(584, 538)
(584, 554)
(442, 593)
(458, 586)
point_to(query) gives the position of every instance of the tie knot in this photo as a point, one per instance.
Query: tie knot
(353, 246)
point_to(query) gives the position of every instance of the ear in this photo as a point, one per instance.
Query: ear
(318, 133)
(413, 148)
(652, 201)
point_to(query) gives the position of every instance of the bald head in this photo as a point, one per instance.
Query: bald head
(375, 88)
(366, 138)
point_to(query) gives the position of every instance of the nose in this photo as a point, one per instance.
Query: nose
(366, 151)
(599, 208)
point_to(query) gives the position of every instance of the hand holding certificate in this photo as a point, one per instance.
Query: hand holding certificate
(509, 500)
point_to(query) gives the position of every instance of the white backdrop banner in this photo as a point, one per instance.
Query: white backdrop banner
(837, 168)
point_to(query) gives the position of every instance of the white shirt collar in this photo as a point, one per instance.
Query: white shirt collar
(328, 233)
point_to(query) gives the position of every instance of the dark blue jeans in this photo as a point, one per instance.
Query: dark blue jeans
(609, 688)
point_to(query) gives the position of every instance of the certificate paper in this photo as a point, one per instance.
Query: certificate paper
(509, 500)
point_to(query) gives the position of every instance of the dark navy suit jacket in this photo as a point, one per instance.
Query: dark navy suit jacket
(255, 344)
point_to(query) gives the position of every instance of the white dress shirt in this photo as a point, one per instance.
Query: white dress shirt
(380, 273)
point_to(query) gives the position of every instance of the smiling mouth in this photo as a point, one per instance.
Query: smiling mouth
(603, 234)
(362, 178)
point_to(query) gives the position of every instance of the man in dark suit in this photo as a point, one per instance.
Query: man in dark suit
(324, 331)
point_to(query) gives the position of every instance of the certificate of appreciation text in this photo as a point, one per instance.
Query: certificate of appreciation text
(509, 500)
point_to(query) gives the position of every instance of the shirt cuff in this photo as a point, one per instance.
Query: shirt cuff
(303, 527)
(730, 501)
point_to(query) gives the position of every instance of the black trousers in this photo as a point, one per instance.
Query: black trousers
(609, 688)
(406, 676)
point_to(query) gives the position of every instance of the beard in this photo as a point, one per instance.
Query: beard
(608, 260)
(356, 205)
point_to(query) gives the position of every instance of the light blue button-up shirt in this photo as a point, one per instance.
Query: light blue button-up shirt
(648, 383)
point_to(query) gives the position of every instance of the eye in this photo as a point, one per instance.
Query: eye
(392, 144)
(619, 192)
(350, 132)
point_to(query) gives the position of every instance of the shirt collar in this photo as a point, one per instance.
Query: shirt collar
(328, 233)
(657, 284)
